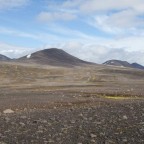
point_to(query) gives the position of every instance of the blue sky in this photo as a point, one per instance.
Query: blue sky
(92, 30)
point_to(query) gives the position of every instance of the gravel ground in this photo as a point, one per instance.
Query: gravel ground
(110, 122)
(91, 105)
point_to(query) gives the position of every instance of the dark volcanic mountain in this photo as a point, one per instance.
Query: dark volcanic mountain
(123, 64)
(53, 56)
(4, 58)
(136, 65)
(117, 63)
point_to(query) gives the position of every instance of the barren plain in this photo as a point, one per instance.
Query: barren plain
(80, 105)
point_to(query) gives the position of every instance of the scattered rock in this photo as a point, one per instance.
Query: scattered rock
(22, 124)
(23, 117)
(72, 121)
(7, 119)
(40, 127)
(40, 131)
(92, 135)
(93, 141)
(2, 143)
(125, 117)
(124, 140)
(35, 122)
(43, 121)
(8, 111)
(25, 109)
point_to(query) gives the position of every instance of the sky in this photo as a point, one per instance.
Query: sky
(92, 30)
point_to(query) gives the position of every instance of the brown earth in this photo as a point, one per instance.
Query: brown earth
(79, 105)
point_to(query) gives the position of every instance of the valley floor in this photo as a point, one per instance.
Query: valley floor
(71, 106)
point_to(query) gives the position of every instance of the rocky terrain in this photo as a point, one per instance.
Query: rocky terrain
(101, 122)
(97, 104)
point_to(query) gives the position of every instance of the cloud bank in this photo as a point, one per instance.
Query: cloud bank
(9, 4)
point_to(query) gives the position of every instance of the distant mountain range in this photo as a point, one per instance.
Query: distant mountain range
(136, 65)
(54, 57)
(4, 58)
(123, 64)
(58, 57)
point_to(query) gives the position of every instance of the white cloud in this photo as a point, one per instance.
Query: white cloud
(108, 15)
(120, 23)
(100, 53)
(14, 51)
(13, 32)
(9, 4)
(123, 19)
(55, 16)
(129, 43)
(79, 39)
(108, 5)
(39, 36)
(72, 3)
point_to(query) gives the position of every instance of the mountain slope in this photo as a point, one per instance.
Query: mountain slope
(136, 65)
(117, 63)
(4, 58)
(53, 56)
(123, 64)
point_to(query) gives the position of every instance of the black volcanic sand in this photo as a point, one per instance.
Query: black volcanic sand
(101, 121)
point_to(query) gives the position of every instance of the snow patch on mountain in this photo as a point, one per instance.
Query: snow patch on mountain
(28, 56)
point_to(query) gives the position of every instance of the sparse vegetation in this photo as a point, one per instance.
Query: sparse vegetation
(44, 104)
